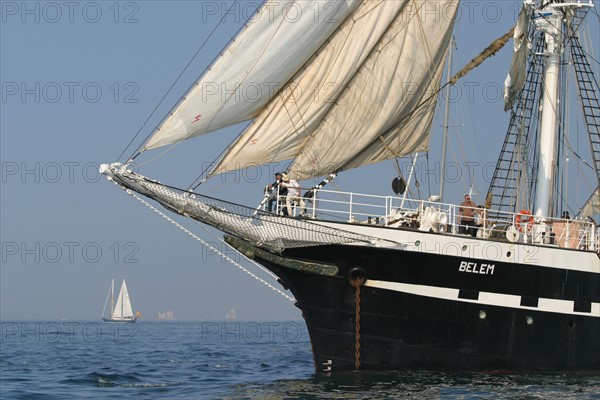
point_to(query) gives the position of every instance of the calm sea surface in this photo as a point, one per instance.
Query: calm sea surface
(225, 360)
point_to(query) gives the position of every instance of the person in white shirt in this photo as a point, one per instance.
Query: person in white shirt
(293, 194)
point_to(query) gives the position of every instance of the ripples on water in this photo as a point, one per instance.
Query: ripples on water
(251, 360)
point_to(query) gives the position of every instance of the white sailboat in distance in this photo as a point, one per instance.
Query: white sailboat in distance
(120, 311)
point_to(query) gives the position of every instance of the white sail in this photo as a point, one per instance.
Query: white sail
(362, 87)
(355, 77)
(285, 33)
(517, 73)
(111, 297)
(122, 308)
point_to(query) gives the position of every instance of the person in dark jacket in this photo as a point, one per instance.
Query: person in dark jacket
(277, 188)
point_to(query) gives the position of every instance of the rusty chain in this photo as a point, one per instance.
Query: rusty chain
(357, 343)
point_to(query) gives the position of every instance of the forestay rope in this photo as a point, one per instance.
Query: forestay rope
(139, 149)
(265, 270)
(209, 246)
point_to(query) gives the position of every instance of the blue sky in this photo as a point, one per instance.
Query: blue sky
(78, 81)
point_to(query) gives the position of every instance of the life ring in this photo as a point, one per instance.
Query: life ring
(522, 217)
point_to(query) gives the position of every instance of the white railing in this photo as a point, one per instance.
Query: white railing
(427, 215)
(573, 3)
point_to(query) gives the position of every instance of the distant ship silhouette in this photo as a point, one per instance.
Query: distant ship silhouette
(230, 316)
(165, 316)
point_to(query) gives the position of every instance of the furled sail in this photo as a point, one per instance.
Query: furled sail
(364, 87)
(517, 73)
(242, 81)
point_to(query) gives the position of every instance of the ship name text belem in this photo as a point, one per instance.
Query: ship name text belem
(475, 268)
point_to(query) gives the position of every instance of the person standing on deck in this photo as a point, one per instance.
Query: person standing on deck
(277, 190)
(467, 217)
(293, 194)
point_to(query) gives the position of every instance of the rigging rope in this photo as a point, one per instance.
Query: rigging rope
(265, 270)
(209, 246)
(201, 179)
(137, 152)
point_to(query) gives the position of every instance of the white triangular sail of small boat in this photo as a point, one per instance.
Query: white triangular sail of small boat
(362, 78)
(122, 308)
(111, 297)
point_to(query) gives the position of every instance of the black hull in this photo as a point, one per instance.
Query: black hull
(400, 330)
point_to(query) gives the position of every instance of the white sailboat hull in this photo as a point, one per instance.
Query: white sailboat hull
(129, 320)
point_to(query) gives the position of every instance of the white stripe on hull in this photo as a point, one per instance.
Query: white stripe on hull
(485, 298)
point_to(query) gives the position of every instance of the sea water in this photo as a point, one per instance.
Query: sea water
(227, 360)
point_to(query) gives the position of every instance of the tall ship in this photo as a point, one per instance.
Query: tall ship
(390, 282)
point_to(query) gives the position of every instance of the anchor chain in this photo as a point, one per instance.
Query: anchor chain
(356, 278)
(357, 330)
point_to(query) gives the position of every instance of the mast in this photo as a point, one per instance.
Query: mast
(549, 22)
(446, 121)
(112, 298)
(122, 296)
